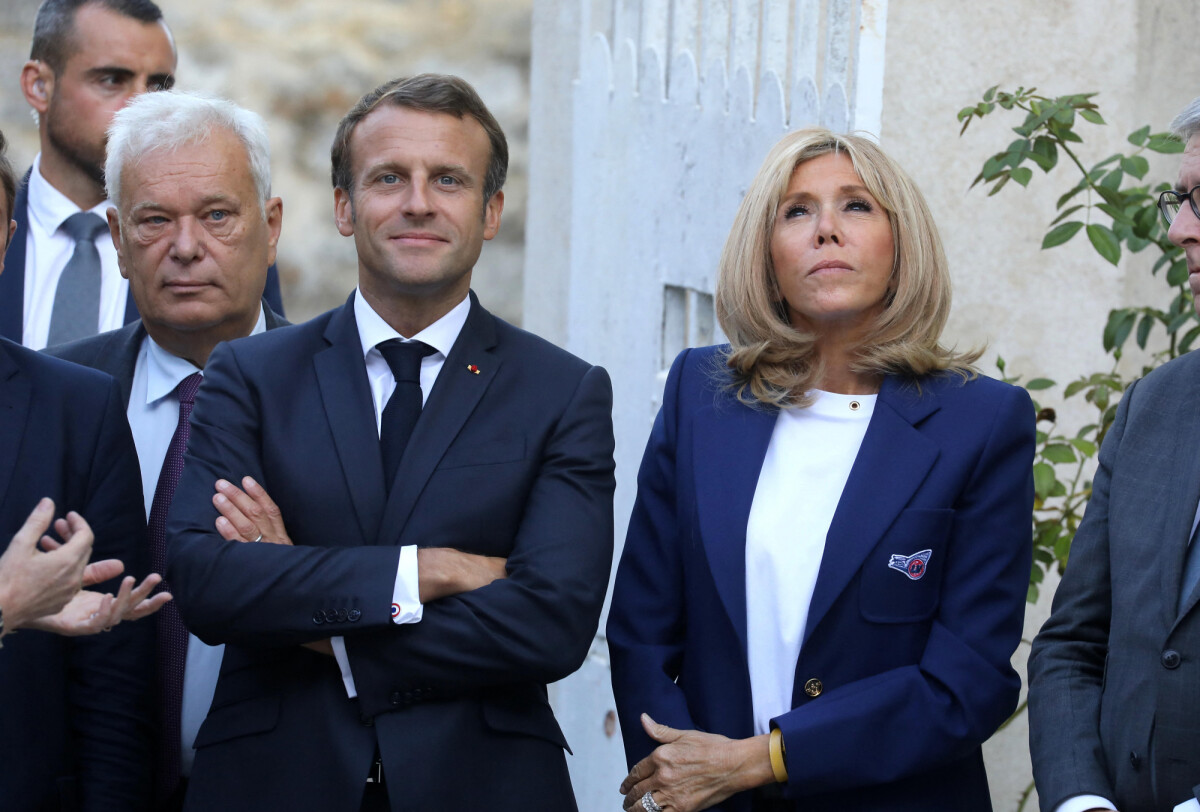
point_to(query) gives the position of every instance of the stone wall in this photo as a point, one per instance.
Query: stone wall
(302, 65)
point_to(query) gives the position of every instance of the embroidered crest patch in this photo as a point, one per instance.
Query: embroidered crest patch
(911, 565)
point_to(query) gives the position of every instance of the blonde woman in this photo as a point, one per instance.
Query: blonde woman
(826, 567)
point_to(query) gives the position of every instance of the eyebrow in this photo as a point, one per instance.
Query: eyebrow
(165, 79)
(153, 205)
(848, 189)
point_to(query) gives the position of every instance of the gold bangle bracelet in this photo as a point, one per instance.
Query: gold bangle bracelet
(778, 765)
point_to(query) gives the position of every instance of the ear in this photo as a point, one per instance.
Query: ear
(274, 210)
(37, 84)
(114, 230)
(343, 212)
(491, 215)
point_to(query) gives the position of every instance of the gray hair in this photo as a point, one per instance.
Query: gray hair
(1187, 123)
(170, 119)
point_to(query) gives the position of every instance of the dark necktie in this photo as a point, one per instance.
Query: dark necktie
(404, 406)
(76, 312)
(172, 637)
(1191, 569)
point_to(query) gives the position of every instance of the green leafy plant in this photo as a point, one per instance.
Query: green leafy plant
(1116, 208)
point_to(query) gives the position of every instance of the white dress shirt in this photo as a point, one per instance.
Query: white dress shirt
(153, 414)
(803, 475)
(47, 251)
(440, 335)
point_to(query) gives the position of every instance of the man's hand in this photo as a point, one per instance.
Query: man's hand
(444, 571)
(89, 612)
(248, 513)
(35, 583)
(691, 770)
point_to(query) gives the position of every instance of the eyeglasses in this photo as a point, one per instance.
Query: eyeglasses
(1170, 201)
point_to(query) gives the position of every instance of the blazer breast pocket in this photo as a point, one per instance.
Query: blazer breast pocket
(902, 576)
(489, 452)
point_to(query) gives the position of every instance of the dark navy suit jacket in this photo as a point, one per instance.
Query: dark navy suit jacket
(12, 282)
(512, 456)
(75, 711)
(914, 673)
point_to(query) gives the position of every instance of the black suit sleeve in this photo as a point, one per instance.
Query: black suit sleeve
(109, 680)
(1066, 663)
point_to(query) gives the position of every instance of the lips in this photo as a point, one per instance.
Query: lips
(419, 238)
(829, 265)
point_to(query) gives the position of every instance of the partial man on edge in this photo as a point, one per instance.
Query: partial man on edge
(195, 229)
(1114, 694)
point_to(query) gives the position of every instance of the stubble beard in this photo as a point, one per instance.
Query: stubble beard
(82, 156)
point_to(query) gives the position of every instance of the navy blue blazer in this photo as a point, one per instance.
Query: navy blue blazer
(914, 673)
(512, 456)
(12, 282)
(75, 711)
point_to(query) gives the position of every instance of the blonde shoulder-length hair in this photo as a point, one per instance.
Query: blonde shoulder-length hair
(772, 363)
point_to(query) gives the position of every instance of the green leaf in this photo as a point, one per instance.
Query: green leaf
(1044, 153)
(1105, 242)
(990, 93)
(1085, 447)
(1062, 200)
(1067, 213)
(1061, 233)
(1073, 388)
(1118, 215)
(1178, 273)
(1135, 165)
(1143, 330)
(1022, 175)
(993, 166)
(1039, 383)
(1069, 135)
(1139, 137)
(1120, 323)
(1189, 338)
(1059, 452)
(1092, 116)
(1000, 183)
(1166, 143)
(1111, 196)
(1113, 179)
(1043, 479)
(1180, 320)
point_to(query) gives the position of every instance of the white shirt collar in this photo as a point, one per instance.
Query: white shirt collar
(440, 335)
(48, 207)
(165, 371)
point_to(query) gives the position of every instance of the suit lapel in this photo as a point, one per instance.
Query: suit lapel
(346, 395)
(1181, 497)
(12, 283)
(731, 440)
(454, 397)
(892, 462)
(16, 394)
(119, 357)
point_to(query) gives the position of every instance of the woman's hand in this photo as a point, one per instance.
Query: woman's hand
(690, 770)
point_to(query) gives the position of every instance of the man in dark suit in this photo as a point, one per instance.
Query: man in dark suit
(1114, 693)
(195, 228)
(436, 700)
(87, 60)
(76, 728)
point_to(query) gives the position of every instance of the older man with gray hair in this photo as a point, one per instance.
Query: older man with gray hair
(195, 229)
(1114, 694)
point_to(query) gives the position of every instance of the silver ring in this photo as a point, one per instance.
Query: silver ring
(255, 541)
(649, 804)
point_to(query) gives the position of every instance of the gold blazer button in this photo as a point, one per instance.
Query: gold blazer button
(813, 687)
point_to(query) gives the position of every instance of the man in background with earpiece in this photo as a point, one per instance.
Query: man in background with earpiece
(87, 60)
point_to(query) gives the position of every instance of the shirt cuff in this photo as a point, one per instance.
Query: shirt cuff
(339, 653)
(406, 594)
(1081, 803)
(1190, 805)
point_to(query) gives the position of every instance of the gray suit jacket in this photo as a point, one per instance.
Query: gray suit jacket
(116, 351)
(1114, 696)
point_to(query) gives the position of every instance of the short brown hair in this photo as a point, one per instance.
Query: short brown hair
(54, 27)
(430, 93)
(773, 363)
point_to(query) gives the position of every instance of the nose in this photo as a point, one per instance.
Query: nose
(188, 243)
(828, 228)
(1185, 228)
(417, 202)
